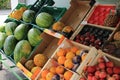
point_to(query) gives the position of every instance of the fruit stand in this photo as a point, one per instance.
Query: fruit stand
(44, 42)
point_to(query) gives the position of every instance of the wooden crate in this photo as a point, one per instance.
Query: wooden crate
(93, 62)
(51, 63)
(49, 44)
(98, 17)
(76, 13)
(68, 44)
(91, 26)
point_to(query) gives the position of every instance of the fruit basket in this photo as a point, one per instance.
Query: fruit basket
(53, 71)
(10, 71)
(92, 35)
(72, 55)
(104, 66)
(101, 14)
(42, 53)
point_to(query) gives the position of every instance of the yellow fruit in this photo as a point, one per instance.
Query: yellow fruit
(61, 52)
(53, 69)
(69, 64)
(78, 52)
(35, 68)
(29, 64)
(60, 69)
(58, 26)
(23, 9)
(44, 73)
(49, 76)
(70, 55)
(83, 56)
(40, 60)
(68, 75)
(67, 29)
(74, 49)
(61, 60)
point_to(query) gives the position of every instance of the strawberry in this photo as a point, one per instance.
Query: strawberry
(111, 78)
(109, 64)
(101, 65)
(89, 77)
(116, 76)
(109, 71)
(102, 75)
(101, 59)
(94, 78)
(91, 69)
(82, 78)
(116, 70)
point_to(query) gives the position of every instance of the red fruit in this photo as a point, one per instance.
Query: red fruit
(101, 65)
(101, 59)
(111, 78)
(82, 78)
(94, 78)
(77, 40)
(91, 69)
(116, 70)
(109, 64)
(89, 77)
(78, 36)
(109, 71)
(97, 74)
(116, 76)
(102, 75)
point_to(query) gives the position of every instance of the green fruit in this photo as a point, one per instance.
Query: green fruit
(10, 27)
(44, 20)
(9, 45)
(34, 36)
(2, 39)
(2, 27)
(28, 16)
(22, 49)
(21, 31)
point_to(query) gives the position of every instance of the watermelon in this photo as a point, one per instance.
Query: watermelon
(9, 45)
(21, 31)
(28, 16)
(34, 36)
(22, 50)
(2, 27)
(2, 39)
(44, 20)
(10, 27)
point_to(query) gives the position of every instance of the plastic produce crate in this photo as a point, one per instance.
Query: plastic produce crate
(78, 56)
(108, 59)
(92, 35)
(47, 47)
(51, 63)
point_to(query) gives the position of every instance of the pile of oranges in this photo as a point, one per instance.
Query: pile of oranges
(55, 73)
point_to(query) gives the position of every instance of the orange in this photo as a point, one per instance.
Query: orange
(44, 73)
(68, 64)
(58, 26)
(67, 50)
(60, 69)
(61, 59)
(83, 56)
(49, 76)
(70, 55)
(61, 52)
(42, 79)
(74, 49)
(78, 52)
(68, 75)
(35, 68)
(53, 69)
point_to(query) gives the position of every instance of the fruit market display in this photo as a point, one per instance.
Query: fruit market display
(92, 36)
(36, 38)
(104, 69)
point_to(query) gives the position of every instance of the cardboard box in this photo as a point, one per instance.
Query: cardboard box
(48, 45)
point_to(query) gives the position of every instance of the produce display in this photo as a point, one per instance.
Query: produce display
(36, 39)
(92, 36)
